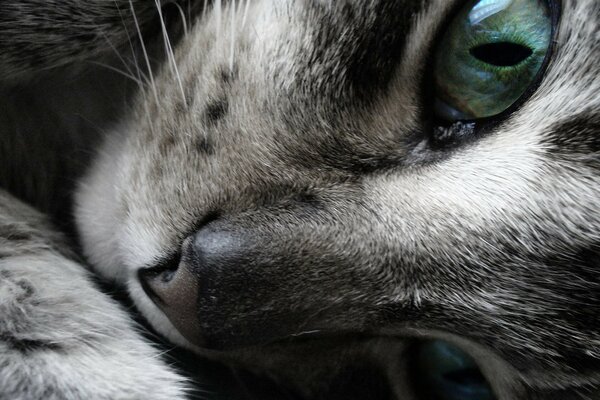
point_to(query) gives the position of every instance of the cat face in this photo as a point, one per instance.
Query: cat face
(283, 189)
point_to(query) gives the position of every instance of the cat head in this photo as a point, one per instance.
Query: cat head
(284, 188)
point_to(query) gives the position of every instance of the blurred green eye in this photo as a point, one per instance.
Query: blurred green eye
(444, 372)
(489, 56)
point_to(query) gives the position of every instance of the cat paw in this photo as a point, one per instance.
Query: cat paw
(61, 338)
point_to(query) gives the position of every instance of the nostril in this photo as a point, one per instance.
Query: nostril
(167, 275)
(161, 273)
(210, 262)
(173, 287)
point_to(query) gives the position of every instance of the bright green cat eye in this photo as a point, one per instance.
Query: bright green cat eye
(489, 56)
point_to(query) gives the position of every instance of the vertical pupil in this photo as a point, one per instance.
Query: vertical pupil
(501, 54)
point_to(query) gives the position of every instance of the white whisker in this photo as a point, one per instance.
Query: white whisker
(139, 32)
(127, 65)
(183, 17)
(140, 75)
(204, 9)
(245, 16)
(119, 71)
(119, 56)
(169, 50)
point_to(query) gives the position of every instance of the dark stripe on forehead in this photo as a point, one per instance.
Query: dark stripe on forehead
(579, 136)
(355, 46)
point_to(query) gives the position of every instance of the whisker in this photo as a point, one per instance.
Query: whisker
(128, 73)
(204, 9)
(112, 46)
(147, 79)
(117, 70)
(141, 76)
(169, 50)
(183, 17)
(245, 16)
(139, 32)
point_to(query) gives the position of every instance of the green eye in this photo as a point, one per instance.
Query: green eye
(444, 372)
(489, 56)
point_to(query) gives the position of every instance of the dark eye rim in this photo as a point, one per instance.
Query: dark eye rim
(433, 123)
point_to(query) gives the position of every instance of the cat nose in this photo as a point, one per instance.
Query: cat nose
(258, 278)
(178, 286)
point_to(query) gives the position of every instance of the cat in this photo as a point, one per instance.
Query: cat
(392, 199)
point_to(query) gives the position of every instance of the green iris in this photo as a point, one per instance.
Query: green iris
(444, 372)
(489, 56)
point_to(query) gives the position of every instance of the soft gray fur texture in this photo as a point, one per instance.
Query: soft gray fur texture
(293, 135)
